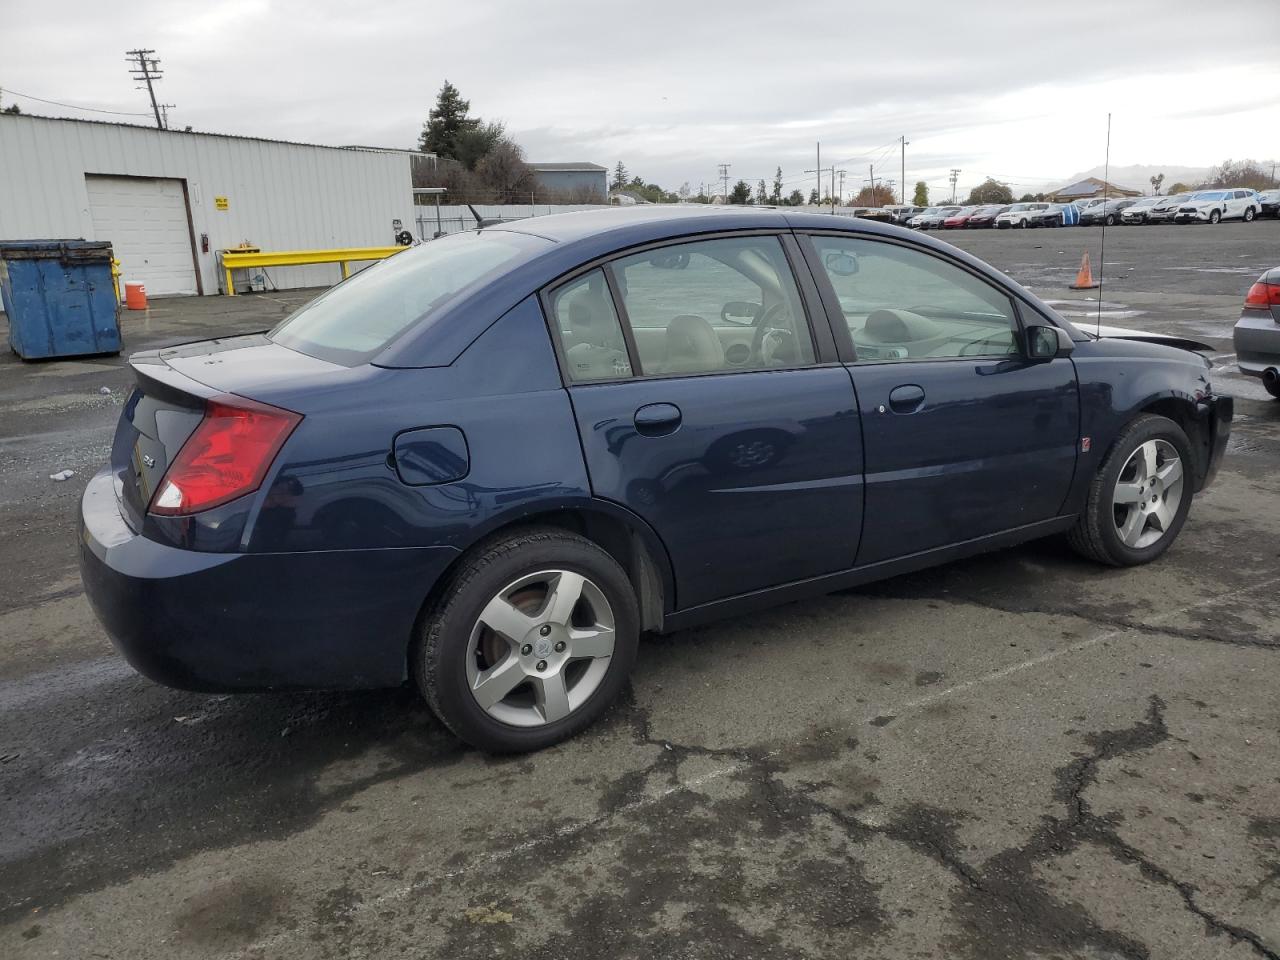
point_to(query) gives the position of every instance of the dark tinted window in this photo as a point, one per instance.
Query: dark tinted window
(357, 319)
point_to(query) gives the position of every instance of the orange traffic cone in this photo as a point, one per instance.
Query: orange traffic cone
(1084, 279)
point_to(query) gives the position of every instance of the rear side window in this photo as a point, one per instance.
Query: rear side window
(594, 348)
(359, 318)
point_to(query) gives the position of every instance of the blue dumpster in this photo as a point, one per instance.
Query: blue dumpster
(59, 298)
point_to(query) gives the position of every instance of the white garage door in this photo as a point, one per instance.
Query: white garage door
(145, 221)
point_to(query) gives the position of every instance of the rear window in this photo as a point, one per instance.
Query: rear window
(360, 317)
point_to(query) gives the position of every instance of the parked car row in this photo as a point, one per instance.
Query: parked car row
(1201, 206)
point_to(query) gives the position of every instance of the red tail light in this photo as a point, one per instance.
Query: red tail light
(226, 457)
(1263, 295)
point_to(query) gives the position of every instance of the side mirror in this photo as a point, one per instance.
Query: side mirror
(1045, 343)
(841, 264)
(741, 312)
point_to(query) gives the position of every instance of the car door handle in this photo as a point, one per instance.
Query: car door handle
(657, 419)
(907, 398)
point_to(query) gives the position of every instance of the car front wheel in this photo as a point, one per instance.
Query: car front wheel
(530, 642)
(1139, 497)
(1215, 216)
(1248, 214)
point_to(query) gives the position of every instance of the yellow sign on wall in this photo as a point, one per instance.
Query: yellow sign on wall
(222, 203)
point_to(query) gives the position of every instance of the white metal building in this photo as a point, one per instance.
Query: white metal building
(168, 201)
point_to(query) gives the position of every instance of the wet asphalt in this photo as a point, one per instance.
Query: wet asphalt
(1019, 755)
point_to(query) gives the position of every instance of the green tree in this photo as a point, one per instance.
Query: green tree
(877, 196)
(504, 171)
(776, 195)
(795, 199)
(990, 191)
(1178, 188)
(12, 108)
(619, 177)
(741, 193)
(814, 199)
(446, 122)
(762, 193)
(921, 196)
(1156, 181)
(474, 144)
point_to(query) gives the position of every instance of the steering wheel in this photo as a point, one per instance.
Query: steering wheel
(770, 341)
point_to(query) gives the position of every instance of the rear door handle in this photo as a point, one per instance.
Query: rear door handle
(657, 419)
(907, 398)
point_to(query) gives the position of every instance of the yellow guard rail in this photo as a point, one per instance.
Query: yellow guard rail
(233, 260)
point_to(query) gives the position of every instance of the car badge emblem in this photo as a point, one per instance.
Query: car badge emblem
(149, 460)
(542, 646)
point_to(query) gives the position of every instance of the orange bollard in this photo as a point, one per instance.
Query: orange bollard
(135, 296)
(1084, 279)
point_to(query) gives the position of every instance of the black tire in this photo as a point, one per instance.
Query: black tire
(1095, 536)
(444, 641)
(1272, 388)
(1111, 219)
(1248, 214)
(1215, 216)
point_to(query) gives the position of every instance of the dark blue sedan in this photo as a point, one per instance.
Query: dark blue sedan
(488, 464)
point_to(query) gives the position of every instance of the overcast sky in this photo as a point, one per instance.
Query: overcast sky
(1018, 91)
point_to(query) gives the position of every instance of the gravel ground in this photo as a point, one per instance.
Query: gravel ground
(1018, 755)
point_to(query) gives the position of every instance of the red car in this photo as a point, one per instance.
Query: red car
(960, 218)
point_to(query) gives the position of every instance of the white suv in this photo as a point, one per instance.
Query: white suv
(1019, 215)
(1210, 206)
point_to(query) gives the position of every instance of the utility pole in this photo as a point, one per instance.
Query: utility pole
(147, 69)
(905, 143)
(164, 113)
(724, 175)
(818, 166)
(890, 184)
(841, 195)
(820, 171)
(871, 179)
(833, 185)
(955, 175)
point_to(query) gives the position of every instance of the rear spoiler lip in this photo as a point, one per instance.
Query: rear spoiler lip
(159, 379)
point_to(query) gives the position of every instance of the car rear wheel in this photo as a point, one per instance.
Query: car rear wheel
(530, 642)
(1215, 216)
(1111, 220)
(1139, 498)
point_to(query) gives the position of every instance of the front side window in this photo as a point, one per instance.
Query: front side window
(590, 334)
(902, 304)
(714, 305)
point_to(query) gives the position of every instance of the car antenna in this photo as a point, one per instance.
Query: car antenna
(1102, 253)
(481, 221)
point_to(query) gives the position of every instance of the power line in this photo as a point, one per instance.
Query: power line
(73, 106)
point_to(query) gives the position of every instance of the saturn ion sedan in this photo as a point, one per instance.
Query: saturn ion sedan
(488, 464)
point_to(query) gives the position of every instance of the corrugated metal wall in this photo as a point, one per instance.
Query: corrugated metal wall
(281, 196)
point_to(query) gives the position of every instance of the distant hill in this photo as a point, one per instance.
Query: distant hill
(1138, 176)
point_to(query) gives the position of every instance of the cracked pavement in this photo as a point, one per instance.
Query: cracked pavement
(1020, 755)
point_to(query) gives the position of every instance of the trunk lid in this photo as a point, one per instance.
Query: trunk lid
(168, 403)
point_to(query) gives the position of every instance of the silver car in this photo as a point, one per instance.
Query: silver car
(1257, 332)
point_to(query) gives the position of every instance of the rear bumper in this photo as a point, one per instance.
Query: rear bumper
(1219, 412)
(1257, 342)
(340, 619)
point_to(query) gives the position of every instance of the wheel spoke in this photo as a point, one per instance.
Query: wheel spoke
(593, 642)
(496, 682)
(1163, 515)
(1128, 493)
(1148, 452)
(1133, 526)
(1171, 472)
(564, 596)
(552, 697)
(501, 617)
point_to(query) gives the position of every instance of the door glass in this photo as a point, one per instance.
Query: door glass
(714, 305)
(590, 334)
(901, 304)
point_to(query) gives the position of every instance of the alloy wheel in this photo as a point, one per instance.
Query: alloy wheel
(1147, 494)
(540, 648)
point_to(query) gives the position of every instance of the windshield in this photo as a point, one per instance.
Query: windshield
(357, 319)
(1019, 206)
(1211, 195)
